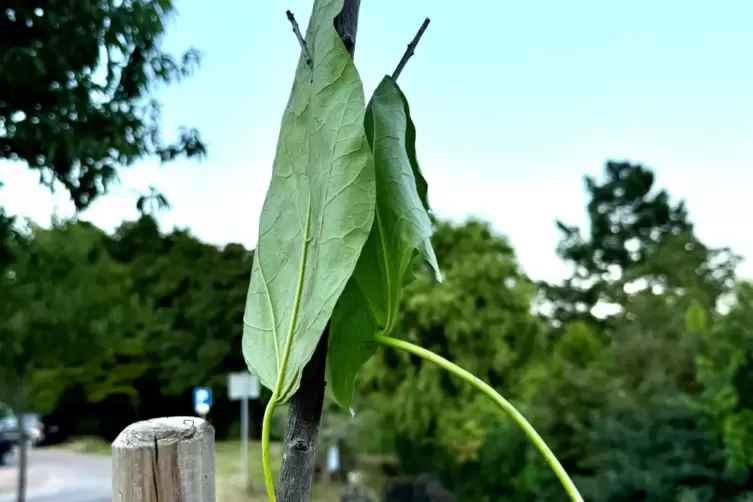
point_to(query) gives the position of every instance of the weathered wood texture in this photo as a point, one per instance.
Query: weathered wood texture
(164, 460)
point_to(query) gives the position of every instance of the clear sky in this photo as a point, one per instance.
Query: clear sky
(513, 101)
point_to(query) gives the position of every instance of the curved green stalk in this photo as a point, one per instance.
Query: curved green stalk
(267, 423)
(266, 465)
(567, 483)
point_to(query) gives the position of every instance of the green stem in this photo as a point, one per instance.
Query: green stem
(266, 465)
(570, 488)
(267, 423)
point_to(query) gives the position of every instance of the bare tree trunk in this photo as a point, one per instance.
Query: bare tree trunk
(346, 24)
(299, 450)
(22, 440)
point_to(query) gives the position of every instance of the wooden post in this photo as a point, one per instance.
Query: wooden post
(164, 460)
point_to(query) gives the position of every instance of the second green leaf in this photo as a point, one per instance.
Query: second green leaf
(370, 303)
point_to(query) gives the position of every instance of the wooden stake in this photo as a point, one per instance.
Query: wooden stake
(164, 460)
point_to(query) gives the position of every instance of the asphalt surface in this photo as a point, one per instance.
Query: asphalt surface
(60, 476)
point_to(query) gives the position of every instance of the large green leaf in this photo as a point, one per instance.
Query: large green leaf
(370, 303)
(317, 214)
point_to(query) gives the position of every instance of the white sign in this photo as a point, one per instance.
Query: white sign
(333, 459)
(242, 385)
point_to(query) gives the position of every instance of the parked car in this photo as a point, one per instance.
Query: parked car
(6, 448)
(8, 433)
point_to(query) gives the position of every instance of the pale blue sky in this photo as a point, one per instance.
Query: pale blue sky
(514, 102)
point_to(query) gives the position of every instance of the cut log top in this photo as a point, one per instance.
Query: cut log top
(166, 431)
(164, 460)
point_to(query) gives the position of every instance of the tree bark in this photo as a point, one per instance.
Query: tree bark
(299, 449)
(346, 24)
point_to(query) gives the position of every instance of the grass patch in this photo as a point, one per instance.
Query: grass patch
(87, 444)
(228, 469)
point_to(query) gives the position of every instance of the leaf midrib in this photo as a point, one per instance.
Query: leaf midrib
(296, 305)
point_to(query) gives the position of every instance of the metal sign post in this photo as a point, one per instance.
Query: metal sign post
(202, 401)
(243, 386)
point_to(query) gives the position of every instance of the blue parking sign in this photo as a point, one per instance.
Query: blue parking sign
(202, 400)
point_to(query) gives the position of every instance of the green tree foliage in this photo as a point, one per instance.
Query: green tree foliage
(68, 315)
(198, 292)
(659, 450)
(142, 324)
(724, 368)
(77, 80)
(637, 237)
(76, 86)
(638, 416)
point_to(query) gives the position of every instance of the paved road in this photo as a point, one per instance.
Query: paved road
(61, 476)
